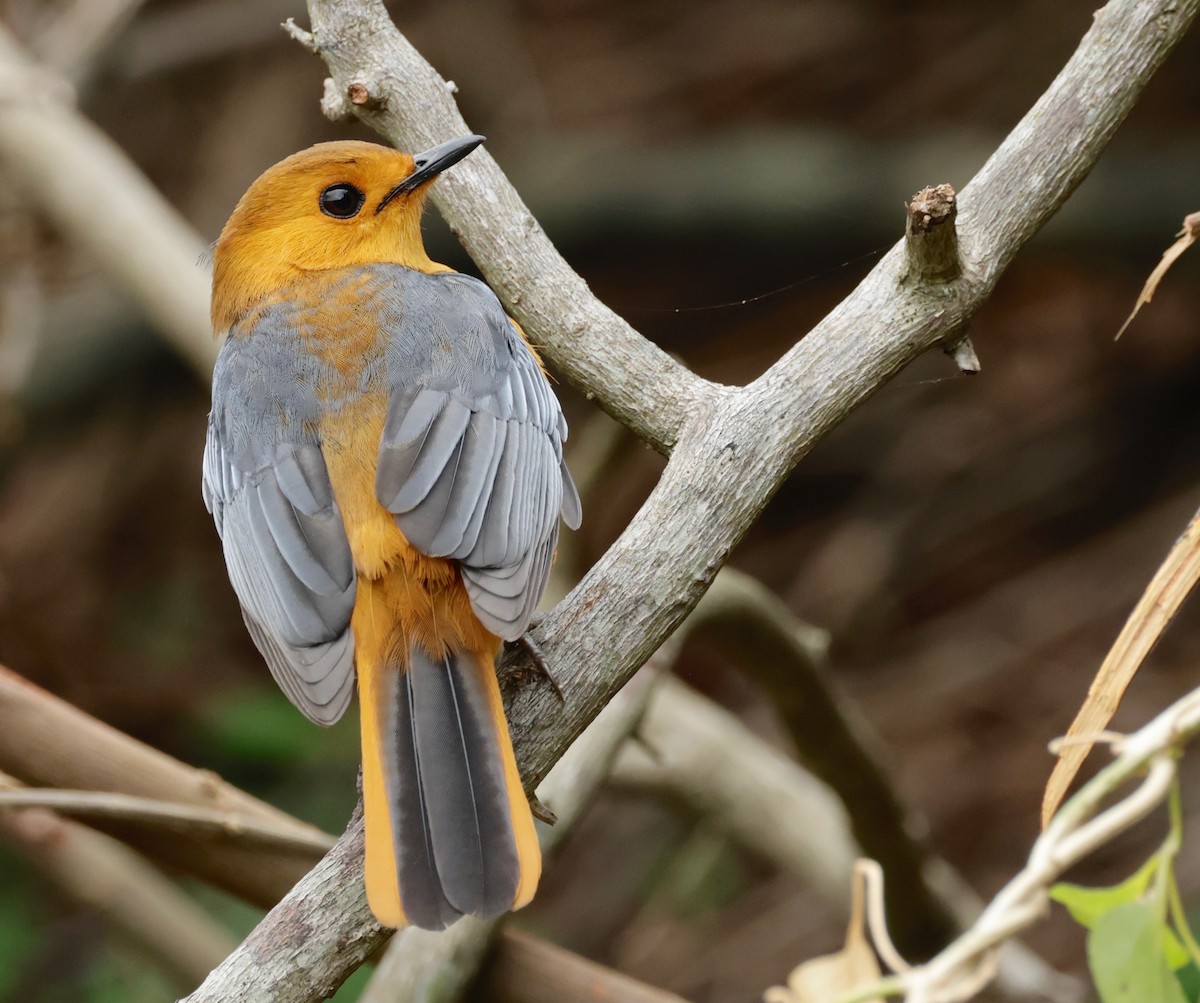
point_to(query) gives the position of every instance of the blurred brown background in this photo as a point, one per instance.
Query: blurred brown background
(722, 174)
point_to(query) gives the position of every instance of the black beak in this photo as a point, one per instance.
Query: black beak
(431, 163)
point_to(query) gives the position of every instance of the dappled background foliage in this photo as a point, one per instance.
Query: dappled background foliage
(721, 174)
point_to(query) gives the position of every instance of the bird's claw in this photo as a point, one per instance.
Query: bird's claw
(538, 657)
(541, 810)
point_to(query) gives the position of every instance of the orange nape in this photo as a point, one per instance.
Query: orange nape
(278, 232)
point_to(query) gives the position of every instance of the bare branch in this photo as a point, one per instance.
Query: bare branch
(215, 824)
(92, 191)
(21, 298)
(530, 970)
(756, 630)
(124, 889)
(46, 742)
(711, 762)
(72, 42)
(705, 757)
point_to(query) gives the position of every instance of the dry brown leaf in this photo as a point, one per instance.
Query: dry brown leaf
(1187, 237)
(1166, 592)
(822, 979)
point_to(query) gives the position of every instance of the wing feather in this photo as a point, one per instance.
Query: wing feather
(432, 453)
(404, 435)
(427, 517)
(470, 479)
(289, 560)
(572, 507)
(287, 535)
(318, 680)
(471, 460)
(473, 525)
(497, 516)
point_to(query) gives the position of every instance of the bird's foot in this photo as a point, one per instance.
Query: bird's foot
(541, 810)
(534, 650)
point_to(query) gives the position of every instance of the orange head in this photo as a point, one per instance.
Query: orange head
(331, 206)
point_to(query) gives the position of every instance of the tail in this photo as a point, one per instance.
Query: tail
(449, 830)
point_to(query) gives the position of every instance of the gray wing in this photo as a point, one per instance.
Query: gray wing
(471, 459)
(266, 484)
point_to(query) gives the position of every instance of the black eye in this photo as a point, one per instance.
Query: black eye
(341, 201)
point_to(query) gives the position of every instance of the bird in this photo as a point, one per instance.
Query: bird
(384, 465)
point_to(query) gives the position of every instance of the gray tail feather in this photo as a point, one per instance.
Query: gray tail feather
(455, 849)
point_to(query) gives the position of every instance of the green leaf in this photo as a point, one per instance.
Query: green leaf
(1127, 955)
(1189, 979)
(1087, 905)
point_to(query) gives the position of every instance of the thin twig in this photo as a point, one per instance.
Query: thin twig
(45, 742)
(166, 815)
(78, 36)
(63, 159)
(113, 881)
(1075, 831)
